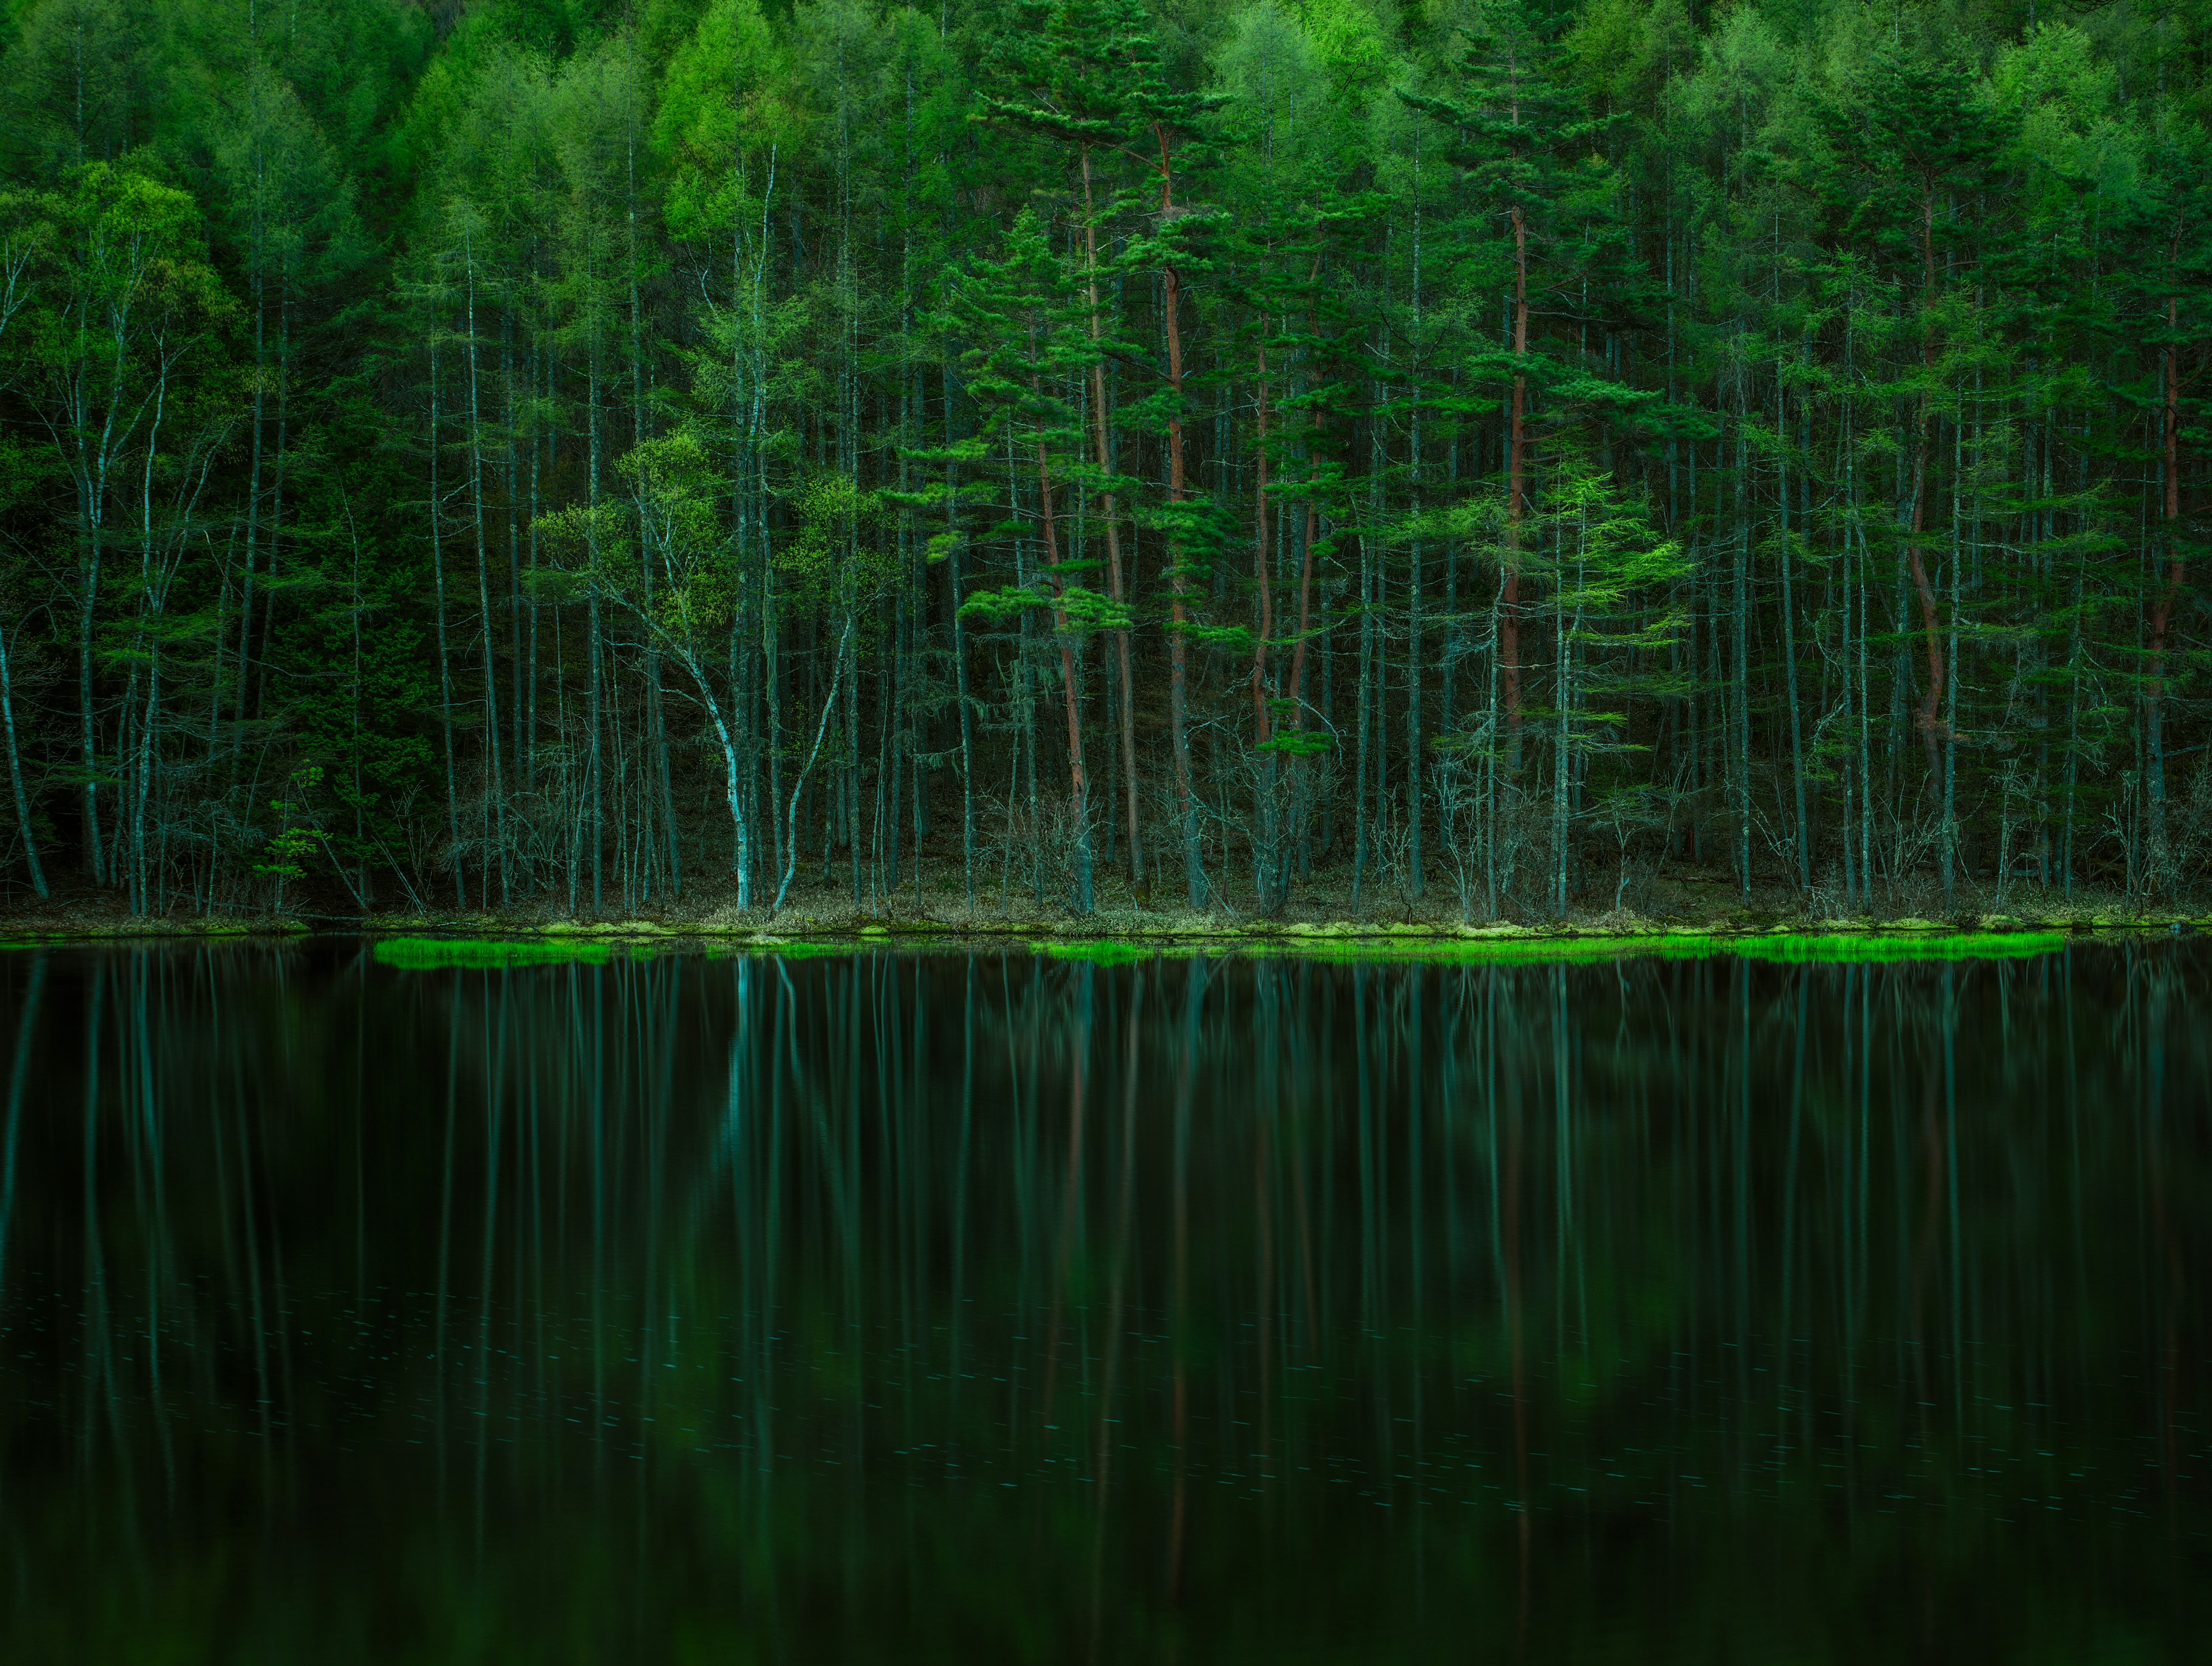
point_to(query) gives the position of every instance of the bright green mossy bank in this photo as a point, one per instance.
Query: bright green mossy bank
(485, 954)
(435, 954)
(493, 954)
(488, 945)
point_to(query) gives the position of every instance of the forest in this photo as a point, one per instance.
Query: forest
(1449, 459)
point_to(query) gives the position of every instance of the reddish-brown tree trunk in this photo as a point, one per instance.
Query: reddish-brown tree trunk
(1312, 530)
(1178, 656)
(1079, 786)
(1128, 711)
(2176, 569)
(1931, 703)
(1260, 564)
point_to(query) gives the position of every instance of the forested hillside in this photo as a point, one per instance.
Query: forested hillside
(1454, 456)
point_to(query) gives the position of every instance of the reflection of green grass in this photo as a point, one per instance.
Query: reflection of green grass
(1833, 948)
(803, 951)
(484, 954)
(1945, 946)
(1679, 946)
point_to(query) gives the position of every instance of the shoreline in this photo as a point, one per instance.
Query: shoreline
(488, 940)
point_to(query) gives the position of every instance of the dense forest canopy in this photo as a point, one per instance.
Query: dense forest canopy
(1456, 455)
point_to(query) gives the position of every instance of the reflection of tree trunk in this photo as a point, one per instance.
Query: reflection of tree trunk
(26, 1027)
(1924, 1243)
(2169, 1456)
(1513, 1319)
(1263, 1294)
(1071, 1204)
(1193, 1003)
(1115, 1306)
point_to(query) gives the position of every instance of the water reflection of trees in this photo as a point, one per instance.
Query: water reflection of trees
(1011, 1307)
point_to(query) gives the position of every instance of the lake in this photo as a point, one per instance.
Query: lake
(874, 1306)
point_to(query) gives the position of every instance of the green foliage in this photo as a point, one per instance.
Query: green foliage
(485, 954)
(426, 397)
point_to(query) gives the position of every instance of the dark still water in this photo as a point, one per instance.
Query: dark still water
(892, 1307)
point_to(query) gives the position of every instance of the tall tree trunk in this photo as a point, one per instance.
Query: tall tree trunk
(1071, 694)
(1416, 876)
(1789, 642)
(1931, 702)
(445, 661)
(1178, 556)
(16, 771)
(87, 603)
(253, 465)
(1740, 679)
(594, 646)
(498, 793)
(1126, 688)
(1267, 812)
(2169, 592)
(1516, 500)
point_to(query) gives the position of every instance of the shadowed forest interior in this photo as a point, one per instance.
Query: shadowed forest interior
(1454, 456)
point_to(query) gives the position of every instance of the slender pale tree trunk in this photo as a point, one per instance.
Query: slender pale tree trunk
(1267, 811)
(1790, 641)
(1416, 579)
(239, 702)
(661, 795)
(797, 787)
(2169, 591)
(1517, 500)
(276, 485)
(87, 604)
(595, 645)
(955, 588)
(445, 660)
(1741, 677)
(16, 771)
(1951, 672)
(498, 817)
(1931, 702)
(1311, 532)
